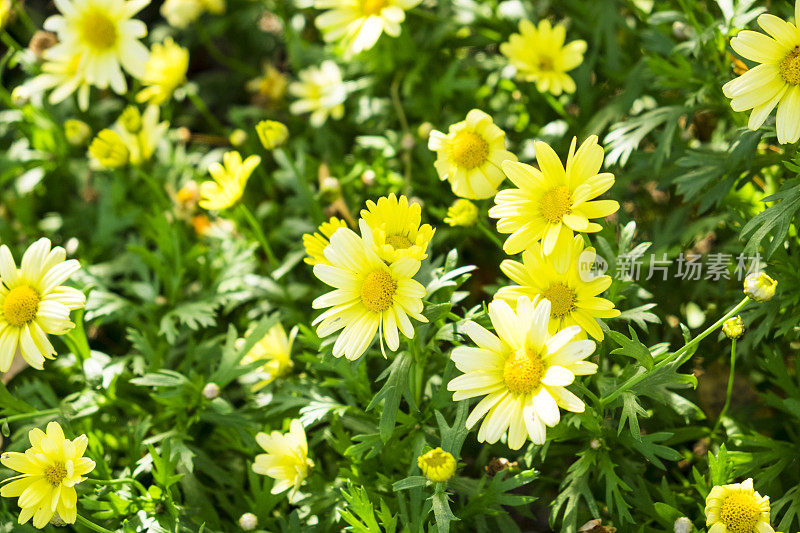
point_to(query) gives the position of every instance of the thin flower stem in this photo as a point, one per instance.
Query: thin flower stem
(730, 388)
(489, 233)
(248, 215)
(91, 525)
(306, 193)
(679, 357)
(203, 108)
(121, 481)
(32, 414)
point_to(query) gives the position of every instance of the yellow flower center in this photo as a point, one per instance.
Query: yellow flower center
(398, 242)
(555, 203)
(740, 513)
(562, 299)
(790, 67)
(469, 150)
(20, 305)
(372, 7)
(545, 63)
(98, 30)
(55, 473)
(523, 372)
(378, 290)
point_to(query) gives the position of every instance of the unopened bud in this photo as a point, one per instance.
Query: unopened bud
(437, 465)
(272, 133)
(77, 132)
(462, 213)
(248, 521)
(330, 188)
(131, 119)
(759, 286)
(424, 130)
(683, 525)
(733, 328)
(407, 142)
(237, 137)
(20, 96)
(368, 177)
(211, 391)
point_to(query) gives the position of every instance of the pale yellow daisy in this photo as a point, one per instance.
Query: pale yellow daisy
(540, 56)
(49, 471)
(396, 230)
(370, 296)
(286, 460)
(522, 372)
(551, 202)
(319, 91)
(775, 81)
(164, 72)
(357, 24)
(315, 243)
(34, 302)
(229, 182)
(470, 155)
(64, 75)
(105, 35)
(275, 351)
(737, 508)
(564, 279)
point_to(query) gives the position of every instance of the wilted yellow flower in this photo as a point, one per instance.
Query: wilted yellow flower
(540, 56)
(733, 328)
(77, 132)
(49, 469)
(109, 150)
(229, 181)
(470, 155)
(551, 202)
(358, 24)
(272, 133)
(759, 286)
(775, 81)
(164, 72)
(319, 91)
(737, 508)
(437, 465)
(396, 229)
(315, 243)
(269, 87)
(286, 460)
(275, 350)
(462, 213)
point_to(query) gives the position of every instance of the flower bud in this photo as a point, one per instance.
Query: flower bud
(77, 132)
(330, 189)
(211, 391)
(248, 521)
(759, 286)
(733, 328)
(272, 133)
(424, 130)
(407, 142)
(109, 150)
(41, 41)
(462, 213)
(437, 465)
(682, 525)
(237, 137)
(20, 96)
(368, 177)
(131, 119)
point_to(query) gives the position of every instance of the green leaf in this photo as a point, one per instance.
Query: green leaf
(396, 386)
(632, 348)
(441, 511)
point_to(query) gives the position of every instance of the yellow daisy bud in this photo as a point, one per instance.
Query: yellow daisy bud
(272, 133)
(109, 150)
(462, 213)
(131, 119)
(437, 465)
(237, 137)
(733, 328)
(77, 132)
(759, 286)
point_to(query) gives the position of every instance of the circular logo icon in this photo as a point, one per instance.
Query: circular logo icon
(591, 266)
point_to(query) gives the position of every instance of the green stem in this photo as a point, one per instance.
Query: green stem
(730, 388)
(9, 41)
(121, 481)
(679, 357)
(205, 111)
(248, 215)
(33, 414)
(91, 525)
(306, 193)
(489, 233)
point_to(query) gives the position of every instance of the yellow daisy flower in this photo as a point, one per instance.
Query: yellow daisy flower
(775, 81)
(462, 213)
(561, 278)
(143, 138)
(105, 36)
(737, 508)
(396, 229)
(109, 150)
(272, 133)
(470, 155)
(522, 372)
(63, 74)
(49, 471)
(286, 460)
(540, 56)
(437, 465)
(369, 297)
(315, 243)
(319, 91)
(229, 182)
(551, 202)
(34, 303)
(270, 87)
(358, 24)
(275, 349)
(164, 72)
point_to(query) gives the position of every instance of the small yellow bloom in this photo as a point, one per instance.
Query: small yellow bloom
(737, 508)
(733, 328)
(275, 350)
(270, 87)
(237, 137)
(462, 213)
(181, 13)
(540, 56)
(229, 181)
(319, 91)
(131, 119)
(272, 133)
(142, 140)
(77, 132)
(164, 72)
(315, 243)
(49, 469)
(437, 465)
(286, 460)
(109, 150)
(760, 287)
(470, 155)
(396, 229)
